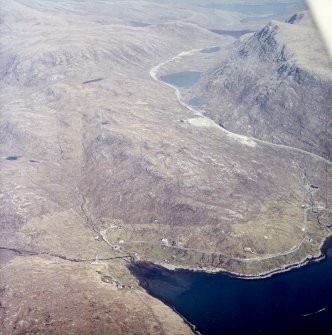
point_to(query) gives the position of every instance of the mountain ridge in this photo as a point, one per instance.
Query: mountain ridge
(278, 94)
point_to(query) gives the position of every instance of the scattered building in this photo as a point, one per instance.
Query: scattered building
(164, 241)
(112, 280)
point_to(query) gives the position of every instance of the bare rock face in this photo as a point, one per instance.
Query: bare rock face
(276, 86)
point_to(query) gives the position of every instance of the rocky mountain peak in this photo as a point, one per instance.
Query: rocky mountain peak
(278, 78)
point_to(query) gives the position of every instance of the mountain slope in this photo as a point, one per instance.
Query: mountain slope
(276, 86)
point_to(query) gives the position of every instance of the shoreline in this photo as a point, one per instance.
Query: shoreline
(221, 271)
(325, 246)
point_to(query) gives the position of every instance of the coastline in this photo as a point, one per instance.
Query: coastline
(143, 283)
(325, 246)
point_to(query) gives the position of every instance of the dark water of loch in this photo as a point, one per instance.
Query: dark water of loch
(296, 302)
(92, 81)
(12, 158)
(183, 79)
